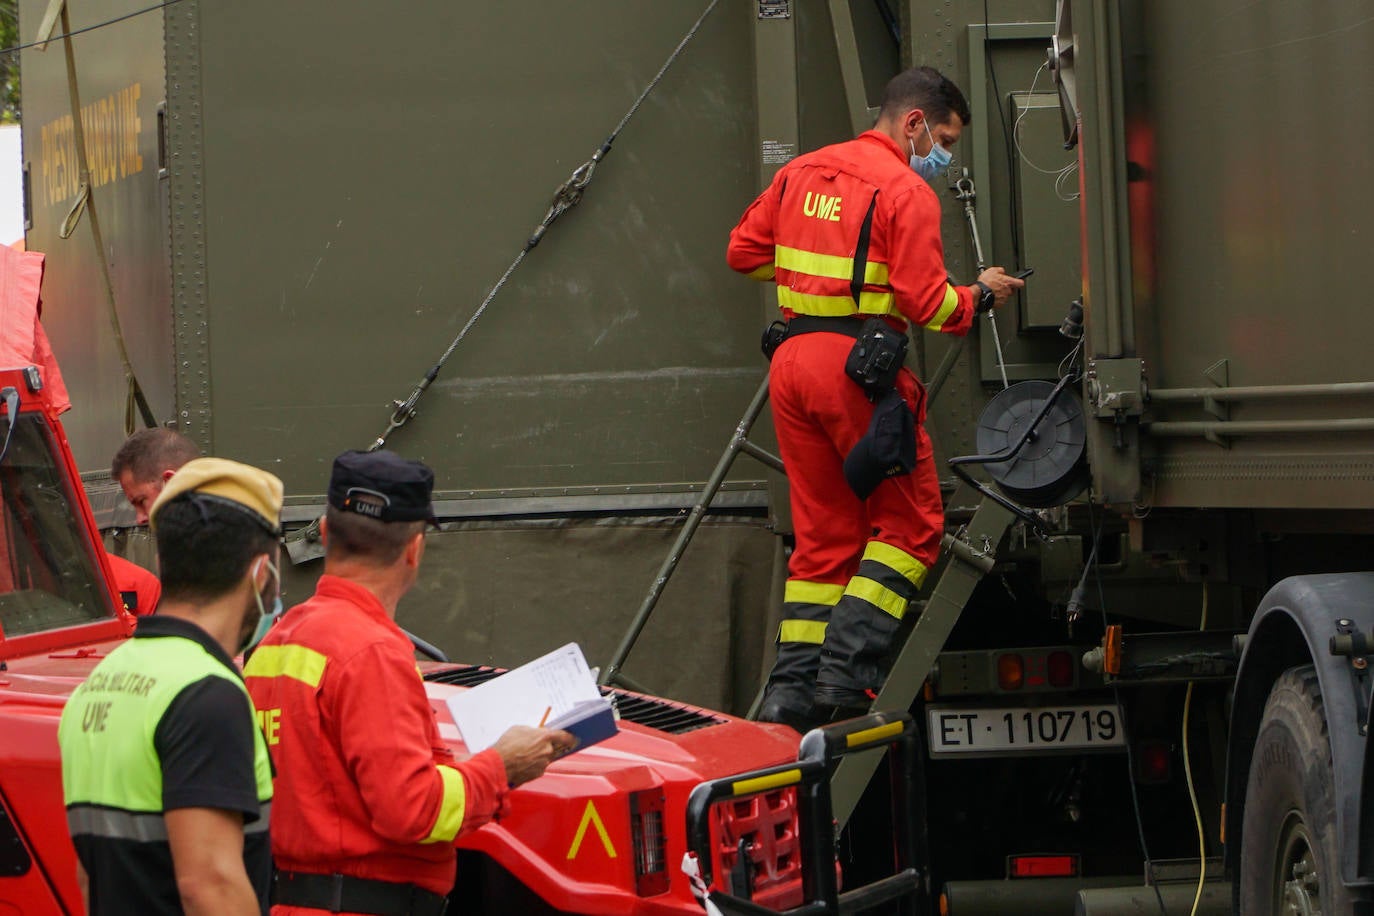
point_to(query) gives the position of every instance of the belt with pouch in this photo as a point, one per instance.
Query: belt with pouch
(874, 362)
(778, 331)
(346, 894)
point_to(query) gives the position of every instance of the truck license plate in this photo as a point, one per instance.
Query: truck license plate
(981, 730)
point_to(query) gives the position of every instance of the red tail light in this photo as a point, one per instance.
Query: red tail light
(1060, 669)
(650, 843)
(1057, 866)
(1154, 762)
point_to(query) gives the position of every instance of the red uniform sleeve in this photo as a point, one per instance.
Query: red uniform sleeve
(916, 266)
(751, 248)
(139, 589)
(389, 742)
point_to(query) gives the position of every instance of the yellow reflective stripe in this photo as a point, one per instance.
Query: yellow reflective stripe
(947, 308)
(451, 807)
(898, 560)
(870, 303)
(799, 591)
(876, 303)
(811, 632)
(297, 662)
(831, 266)
(877, 594)
(821, 306)
(764, 783)
(876, 733)
(761, 273)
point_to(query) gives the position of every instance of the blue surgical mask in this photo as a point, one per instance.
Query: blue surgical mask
(265, 618)
(933, 162)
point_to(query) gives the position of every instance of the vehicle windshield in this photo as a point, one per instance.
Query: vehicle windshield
(48, 577)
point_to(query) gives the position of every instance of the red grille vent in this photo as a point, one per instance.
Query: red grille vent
(768, 825)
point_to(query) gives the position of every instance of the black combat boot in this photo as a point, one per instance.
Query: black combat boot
(851, 665)
(787, 698)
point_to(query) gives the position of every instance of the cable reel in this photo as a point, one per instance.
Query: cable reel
(1051, 467)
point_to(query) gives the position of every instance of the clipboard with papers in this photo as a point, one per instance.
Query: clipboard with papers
(556, 690)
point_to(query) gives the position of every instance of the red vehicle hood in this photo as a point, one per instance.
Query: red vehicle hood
(568, 836)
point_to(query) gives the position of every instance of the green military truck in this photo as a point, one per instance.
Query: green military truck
(1141, 674)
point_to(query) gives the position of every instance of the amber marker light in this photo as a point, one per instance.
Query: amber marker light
(1111, 650)
(1011, 671)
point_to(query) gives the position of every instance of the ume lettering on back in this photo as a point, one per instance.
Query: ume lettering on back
(822, 206)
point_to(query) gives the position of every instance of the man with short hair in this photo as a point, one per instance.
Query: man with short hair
(369, 798)
(851, 232)
(142, 467)
(146, 461)
(165, 774)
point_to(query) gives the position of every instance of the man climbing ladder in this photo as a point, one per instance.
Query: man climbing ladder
(850, 232)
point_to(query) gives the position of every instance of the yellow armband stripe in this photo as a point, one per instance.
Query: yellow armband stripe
(451, 807)
(947, 307)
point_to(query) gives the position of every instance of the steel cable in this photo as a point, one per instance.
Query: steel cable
(565, 197)
(88, 28)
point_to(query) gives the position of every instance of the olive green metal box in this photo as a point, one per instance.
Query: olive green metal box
(1047, 209)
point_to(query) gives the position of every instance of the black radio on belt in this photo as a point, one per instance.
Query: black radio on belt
(877, 356)
(773, 336)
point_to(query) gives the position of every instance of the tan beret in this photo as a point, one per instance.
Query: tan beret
(256, 492)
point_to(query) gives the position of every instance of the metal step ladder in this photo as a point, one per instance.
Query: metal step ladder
(970, 552)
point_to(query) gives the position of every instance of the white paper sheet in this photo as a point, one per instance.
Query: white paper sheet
(534, 693)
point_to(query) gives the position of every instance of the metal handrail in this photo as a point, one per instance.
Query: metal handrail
(1184, 428)
(1259, 392)
(820, 753)
(739, 442)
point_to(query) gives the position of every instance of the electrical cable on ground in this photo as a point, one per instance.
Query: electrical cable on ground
(565, 197)
(89, 28)
(1116, 693)
(1188, 773)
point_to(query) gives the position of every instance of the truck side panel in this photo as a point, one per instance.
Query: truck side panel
(120, 95)
(1248, 209)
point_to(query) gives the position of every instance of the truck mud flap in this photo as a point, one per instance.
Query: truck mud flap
(821, 751)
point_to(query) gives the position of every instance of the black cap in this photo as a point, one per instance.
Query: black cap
(382, 485)
(888, 449)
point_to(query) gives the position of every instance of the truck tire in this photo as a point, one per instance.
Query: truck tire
(1290, 862)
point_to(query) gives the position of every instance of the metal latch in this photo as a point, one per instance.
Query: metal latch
(1116, 387)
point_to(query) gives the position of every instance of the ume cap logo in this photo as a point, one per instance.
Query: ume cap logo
(372, 503)
(382, 485)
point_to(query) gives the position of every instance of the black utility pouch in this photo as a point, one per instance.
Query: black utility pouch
(773, 336)
(877, 357)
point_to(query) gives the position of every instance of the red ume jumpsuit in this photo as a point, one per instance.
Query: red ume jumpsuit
(365, 787)
(857, 563)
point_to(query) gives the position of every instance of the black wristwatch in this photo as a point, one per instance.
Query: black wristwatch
(986, 298)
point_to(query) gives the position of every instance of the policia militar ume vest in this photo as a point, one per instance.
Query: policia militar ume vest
(165, 722)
